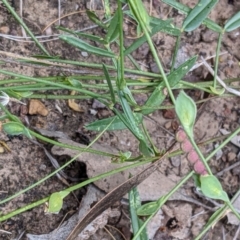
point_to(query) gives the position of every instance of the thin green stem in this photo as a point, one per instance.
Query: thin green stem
(94, 95)
(217, 59)
(175, 52)
(121, 80)
(15, 15)
(153, 50)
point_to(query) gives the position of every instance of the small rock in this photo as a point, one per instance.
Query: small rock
(168, 125)
(96, 104)
(1, 149)
(93, 112)
(4, 29)
(169, 114)
(175, 161)
(37, 107)
(43, 167)
(231, 156)
(103, 113)
(226, 126)
(84, 54)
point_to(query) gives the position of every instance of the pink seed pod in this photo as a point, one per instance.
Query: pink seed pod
(199, 168)
(181, 135)
(192, 157)
(186, 146)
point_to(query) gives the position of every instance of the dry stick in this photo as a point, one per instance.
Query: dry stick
(237, 233)
(59, 12)
(228, 168)
(59, 18)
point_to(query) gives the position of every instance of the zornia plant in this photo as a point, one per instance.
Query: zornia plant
(209, 184)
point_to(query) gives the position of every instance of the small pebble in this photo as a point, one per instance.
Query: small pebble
(1, 149)
(175, 161)
(93, 112)
(4, 29)
(231, 156)
(84, 54)
(43, 167)
(168, 125)
(96, 104)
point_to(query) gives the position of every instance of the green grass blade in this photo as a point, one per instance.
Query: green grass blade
(134, 204)
(25, 27)
(106, 73)
(113, 29)
(117, 124)
(94, 18)
(81, 34)
(233, 23)
(143, 39)
(158, 95)
(185, 9)
(198, 14)
(78, 43)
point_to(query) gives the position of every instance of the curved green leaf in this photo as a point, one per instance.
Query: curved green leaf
(117, 124)
(186, 110)
(212, 188)
(185, 9)
(198, 14)
(233, 23)
(158, 96)
(113, 29)
(55, 203)
(94, 18)
(15, 129)
(148, 209)
(76, 42)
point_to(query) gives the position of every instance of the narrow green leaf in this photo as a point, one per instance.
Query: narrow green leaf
(15, 129)
(94, 18)
(82, 34)
(186, 111)
(85, 46)
(19, 95)
(55, 203)
(64, 193)
(148, 209)
(74, 82)
(140, 13)
(217, 91)
(158, 95)
(143, 39)
(134, 204)
(117, 124)
(185, 9)
(113, 29)
(198, 14)
(233, 23)
(212, 188)
(106, 73)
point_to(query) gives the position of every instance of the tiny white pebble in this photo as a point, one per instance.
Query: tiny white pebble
(93, 112)
(84, 54)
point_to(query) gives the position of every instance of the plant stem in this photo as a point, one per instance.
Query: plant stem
(217, 59)
(25, 27)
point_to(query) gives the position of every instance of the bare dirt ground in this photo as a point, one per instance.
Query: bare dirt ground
(27, 162)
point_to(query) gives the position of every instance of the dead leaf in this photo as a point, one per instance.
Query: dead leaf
(37, 107)
(73, 105)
